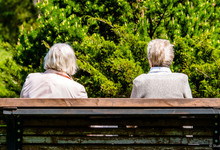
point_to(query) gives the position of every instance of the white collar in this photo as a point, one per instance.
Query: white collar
(160, 70)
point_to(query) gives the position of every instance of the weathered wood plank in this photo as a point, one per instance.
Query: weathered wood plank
(112, 147)
(2, 122)
(110, 102)
(2, 139)
(3, 147)
(153, 122)
(115, 140)
(3, 131)
(70, 131)
(111, 111)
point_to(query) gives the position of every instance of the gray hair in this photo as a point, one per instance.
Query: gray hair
(61, 57)
(160, 53)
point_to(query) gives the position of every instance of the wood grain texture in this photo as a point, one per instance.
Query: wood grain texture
(114, 147)
(10, 103)
(116, 140)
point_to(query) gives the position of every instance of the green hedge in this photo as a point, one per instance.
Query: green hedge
(110, 39)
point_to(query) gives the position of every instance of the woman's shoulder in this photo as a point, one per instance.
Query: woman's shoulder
(152, 76)
(77, 84)
(180, 75)
(142, 76)
(34, 75)
(64, 81)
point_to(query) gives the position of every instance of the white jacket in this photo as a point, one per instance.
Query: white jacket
(51, 84)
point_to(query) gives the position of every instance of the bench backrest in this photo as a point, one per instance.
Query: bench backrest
(109, 124)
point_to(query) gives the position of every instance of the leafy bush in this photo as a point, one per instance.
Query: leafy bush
(14, 13)
(10, 78)
(110, 39)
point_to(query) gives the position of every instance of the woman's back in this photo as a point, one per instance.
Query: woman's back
(51, 85)
(158, 85)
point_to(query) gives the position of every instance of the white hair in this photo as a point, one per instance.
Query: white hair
(160, 53)
(61, 57)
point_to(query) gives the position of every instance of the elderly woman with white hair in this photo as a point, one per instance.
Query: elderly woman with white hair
(160, 82)
(56, 81)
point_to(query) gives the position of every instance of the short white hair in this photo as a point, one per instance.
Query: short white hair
(61, 57)
(160, 53)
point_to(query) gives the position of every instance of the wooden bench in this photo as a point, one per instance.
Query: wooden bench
(109, 123)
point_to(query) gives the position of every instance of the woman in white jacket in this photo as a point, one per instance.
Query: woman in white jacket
(56, 81)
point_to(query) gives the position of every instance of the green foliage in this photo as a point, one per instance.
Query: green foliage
(110, 39)
(10, 78)
(201, 62)
(13, 13)
(107, 65)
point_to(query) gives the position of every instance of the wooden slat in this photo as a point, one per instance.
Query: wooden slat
(2, 139)
(115, 140)
(3, 131)
(2, 123)
(118, 131)
(112, 147)
(112, 111)
(3, 147)
(109, 102)
(154, 122)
